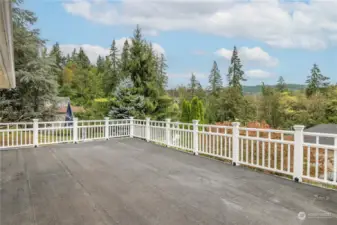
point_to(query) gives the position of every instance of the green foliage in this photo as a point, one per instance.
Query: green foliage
(316, 81)
(331, 105)
(127, 102)
(186, 112)
(163, 109)
(281, 85)
(212, 109)
(192, 110)
(201, 112)
(36, 73)
(162, 78)
(235, 72)
(197, 110)
(215, 80)
(270, 106)
(256, 89)
(231, 100)
(96, 109)
(125, 61)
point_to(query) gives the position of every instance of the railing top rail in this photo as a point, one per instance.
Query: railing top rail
(90, 121)
(215, 126)
(53, 122)
(266, 130)
(320, 134)
(321, 146)
(16, 123)
(180, 123)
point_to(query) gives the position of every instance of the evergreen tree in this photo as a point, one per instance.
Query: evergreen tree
(100, 64)
(82, 59)
(60, 61)
(316, 81)
(281, 85)
(235, 73)
(137, 49)
(74, 55)
(142, 69)
(270, 111)
(194, 85)
(201, 112)
(113, 74)
(107, 76)
(186, 112)
(161, 73)
(128, 102)
(56, 52)
(125, 60)
(197, 110)
(164, 109)
(215, 80)
(35, 73)
(231, 100)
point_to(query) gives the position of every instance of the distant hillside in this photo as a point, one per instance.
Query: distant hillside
(257, 88)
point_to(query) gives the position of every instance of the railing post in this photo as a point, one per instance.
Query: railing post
(75, 137)
(131, 127)
(168, 132)
(195, 137)
(298, 153)
(334, 175)
(147, 129)
(35, 132)
(106, 126)
(235, 142)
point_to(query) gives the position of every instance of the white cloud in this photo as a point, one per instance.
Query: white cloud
(93, 51)
(227, 54)
(255, 55)
(303, 25)
(258, 74)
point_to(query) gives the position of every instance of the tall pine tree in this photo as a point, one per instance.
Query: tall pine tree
(82, 59)
(316, 81)
(100, 64)
(194, 85)
(161, 72)
(281, 85)
(215, 80)
(112, 80)
(136, 67)
(36, 82)
(235, 73)
(125, 60)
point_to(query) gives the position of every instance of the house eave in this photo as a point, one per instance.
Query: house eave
(7, 71)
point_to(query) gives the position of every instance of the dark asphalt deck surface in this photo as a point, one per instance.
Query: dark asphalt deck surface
(129, 181)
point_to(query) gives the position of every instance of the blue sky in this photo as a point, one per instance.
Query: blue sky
(274, 38)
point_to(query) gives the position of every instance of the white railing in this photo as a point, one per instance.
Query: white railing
(282, 152)
(267, 149)
(55, 132)
(215, 141)
(320, 160)
(14, 135)
(290, 153)
(139, 128)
